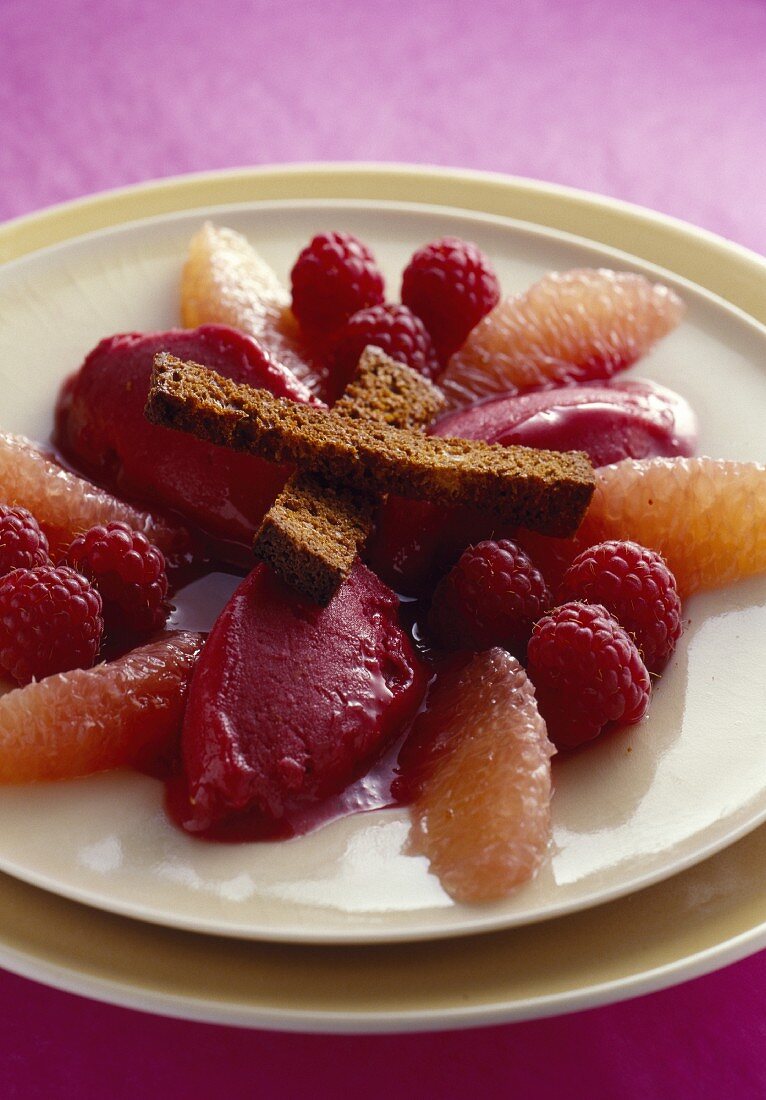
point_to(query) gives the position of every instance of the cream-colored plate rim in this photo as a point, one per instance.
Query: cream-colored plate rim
(662, 935)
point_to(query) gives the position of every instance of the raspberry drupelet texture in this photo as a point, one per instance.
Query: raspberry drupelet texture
(450, 285)
(492, 597)
(129, 572)
(636, 586)
(334, 277)
(50, 621)
(393, 328)
(22, 544)
(587, 673)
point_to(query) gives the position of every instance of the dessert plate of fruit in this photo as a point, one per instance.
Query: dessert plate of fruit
(373, 572)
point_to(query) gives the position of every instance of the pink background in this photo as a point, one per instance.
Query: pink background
(659, 103)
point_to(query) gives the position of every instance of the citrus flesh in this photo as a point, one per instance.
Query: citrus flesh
(225, 281)
(481, 814)
(66, 505)
(706, 516)
(572, 326)
(76, 723)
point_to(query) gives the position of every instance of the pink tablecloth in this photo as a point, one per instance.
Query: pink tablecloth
(659, 103)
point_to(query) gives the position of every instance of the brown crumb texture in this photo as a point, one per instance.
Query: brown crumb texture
(547, 491)
(389, 393)
(312, 533)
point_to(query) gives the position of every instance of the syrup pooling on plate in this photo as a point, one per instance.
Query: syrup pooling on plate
(426, 593)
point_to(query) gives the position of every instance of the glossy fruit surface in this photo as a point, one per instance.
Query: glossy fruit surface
(226, 282)
(571, 326)
(109, 716)
(635, 585)
(481, 761)
(706, 516)
(587, 672)
(65, 505)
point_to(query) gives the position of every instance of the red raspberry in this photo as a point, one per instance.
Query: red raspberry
(22, 544)
(491, 597)
(334, 276)
(50, 621)
(450, 285)
(393, 328)
(637, 587)
(587, 673)
(129, 572)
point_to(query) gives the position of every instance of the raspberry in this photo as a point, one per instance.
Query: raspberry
(334, 276)
(637, 587)
(22, 543)
(450, 285)
(50, 621)
(587, 673)
(491, 597)
(393, 328)
(129, 572)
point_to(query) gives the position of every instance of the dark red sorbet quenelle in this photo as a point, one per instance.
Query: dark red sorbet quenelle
(101, 429)
(259, 739)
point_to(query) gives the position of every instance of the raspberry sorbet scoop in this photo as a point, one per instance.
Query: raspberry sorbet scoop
(290, 701)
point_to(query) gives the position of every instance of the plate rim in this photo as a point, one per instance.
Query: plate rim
(475, 921)
(746, 265)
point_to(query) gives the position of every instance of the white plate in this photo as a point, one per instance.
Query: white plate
(633, 810)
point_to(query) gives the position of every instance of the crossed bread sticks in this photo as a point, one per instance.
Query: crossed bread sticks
(313, 531)
(547, 491)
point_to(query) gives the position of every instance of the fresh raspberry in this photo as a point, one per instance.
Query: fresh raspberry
(50, 621)
(334, 276)
(393, 328)
(450, 285)
(587, 673)
(129, 572)
(493, 596)
(22, 544)
(637, 587)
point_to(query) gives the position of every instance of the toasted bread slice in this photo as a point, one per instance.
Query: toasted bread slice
(313, 531)
(547, 491)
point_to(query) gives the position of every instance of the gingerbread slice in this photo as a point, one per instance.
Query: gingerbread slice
(547, 491)
(313, 531)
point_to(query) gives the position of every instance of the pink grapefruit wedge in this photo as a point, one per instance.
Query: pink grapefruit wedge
(482, 812)
(572, 326)
(66, 505)
(225, 281)
(706, 516)
(85, 721)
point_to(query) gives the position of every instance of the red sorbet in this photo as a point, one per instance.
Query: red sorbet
(290, 701)
(101, 429)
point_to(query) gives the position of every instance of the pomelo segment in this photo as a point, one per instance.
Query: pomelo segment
(706, 516)
(66, 505)
(85, 721)
(572, 326)
(226, 282)
(482, 813)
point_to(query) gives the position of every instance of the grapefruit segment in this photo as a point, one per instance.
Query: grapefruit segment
(66, 505)
(482, 812)
(706, 516)
(571, 326)
(76, 723)
(226, 282)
